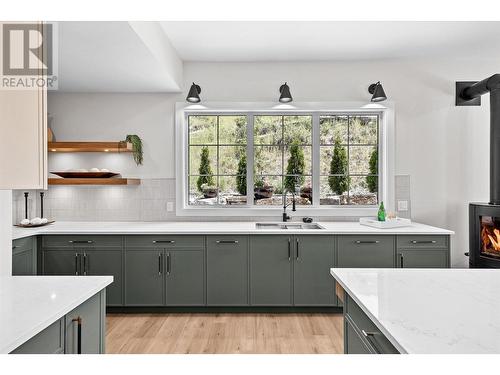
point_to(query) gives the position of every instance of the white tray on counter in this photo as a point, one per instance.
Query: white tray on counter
(387, 224)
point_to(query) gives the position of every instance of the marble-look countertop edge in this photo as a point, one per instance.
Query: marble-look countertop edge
(379, 325)
(33, 331)
(103, 228)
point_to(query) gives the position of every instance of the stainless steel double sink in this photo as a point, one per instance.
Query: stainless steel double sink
(285, 226)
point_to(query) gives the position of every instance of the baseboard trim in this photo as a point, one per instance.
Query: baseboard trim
(221, 309)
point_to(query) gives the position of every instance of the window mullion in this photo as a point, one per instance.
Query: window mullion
(315, 159)
(217, 179)
(250, 161)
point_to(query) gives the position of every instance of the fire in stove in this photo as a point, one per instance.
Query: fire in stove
(490, 236)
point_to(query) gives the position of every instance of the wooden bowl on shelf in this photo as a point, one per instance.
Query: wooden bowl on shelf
(86, 174)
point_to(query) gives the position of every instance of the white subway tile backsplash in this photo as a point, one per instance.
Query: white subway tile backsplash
(146, 202)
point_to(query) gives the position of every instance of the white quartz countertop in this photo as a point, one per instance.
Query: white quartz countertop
(431, 311)
(29, 304)
(219, 227)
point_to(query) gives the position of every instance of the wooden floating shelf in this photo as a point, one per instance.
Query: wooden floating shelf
(90, 147)
(94, 181)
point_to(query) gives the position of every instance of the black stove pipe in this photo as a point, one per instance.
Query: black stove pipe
(495, 146)
(482, 87)
(491, 85)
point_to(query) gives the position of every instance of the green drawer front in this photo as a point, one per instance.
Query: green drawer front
(49, 341)
(162, 241)
(80, 241)
(227, 242)
(22, 244)
(423, 258)
(363, 323)
(424, 241)
(366, 252)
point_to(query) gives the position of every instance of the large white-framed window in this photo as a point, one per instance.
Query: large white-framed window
(247, 159)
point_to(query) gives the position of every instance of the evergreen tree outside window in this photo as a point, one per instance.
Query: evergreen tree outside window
(349, 159)
(217, 144)
(282, 158)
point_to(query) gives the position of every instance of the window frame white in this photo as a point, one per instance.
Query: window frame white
(250, 109)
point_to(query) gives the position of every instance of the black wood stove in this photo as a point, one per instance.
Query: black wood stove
(484, 218)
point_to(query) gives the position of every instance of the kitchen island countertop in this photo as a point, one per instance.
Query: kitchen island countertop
(429, 311)
(29, 304)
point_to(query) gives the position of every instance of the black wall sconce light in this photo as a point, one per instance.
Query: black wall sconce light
(285, 96)
(194, 94)
(377, 91)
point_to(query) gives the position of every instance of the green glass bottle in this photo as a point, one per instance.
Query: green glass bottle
(381, 212)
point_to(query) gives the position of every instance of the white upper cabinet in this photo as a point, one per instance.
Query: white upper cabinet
(23, 123)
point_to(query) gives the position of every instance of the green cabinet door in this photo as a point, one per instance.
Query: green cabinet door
(22, 263)
(105, 262)
(227, 270)
(313, 285)
(24, 256)
(422, 258)
(48, 341)
(366, 251)
(60, 262)
(271, 270)
(92, 315)
(353, 343)
(184, 277)
(144, 284)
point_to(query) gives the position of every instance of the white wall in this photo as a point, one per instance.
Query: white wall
(444, 148)
(110, 117)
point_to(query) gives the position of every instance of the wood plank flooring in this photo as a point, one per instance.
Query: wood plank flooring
(247, 333)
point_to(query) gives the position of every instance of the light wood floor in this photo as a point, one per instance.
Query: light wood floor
(224, 333)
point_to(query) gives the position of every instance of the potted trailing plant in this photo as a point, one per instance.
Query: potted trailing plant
(263, 190)
(306, 192)
(209, 191)
(136, 147)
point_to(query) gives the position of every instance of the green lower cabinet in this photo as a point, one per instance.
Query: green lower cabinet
(313, 285)
(164, 277)
(366, 251)
(227, 270)
(24, 257)
(105, 262)
(144, 282)
(92, 315)
(184, 277)
(422, 258)
(271, 270)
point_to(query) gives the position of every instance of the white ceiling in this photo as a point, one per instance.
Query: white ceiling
(148, 56)
(112, 57)
(321, 41)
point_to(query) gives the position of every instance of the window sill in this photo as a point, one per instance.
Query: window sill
(341, 211)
